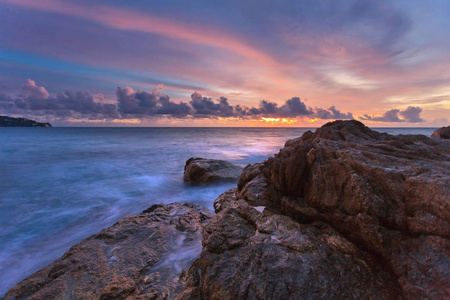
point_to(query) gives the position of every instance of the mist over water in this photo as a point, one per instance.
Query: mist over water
(60, 185)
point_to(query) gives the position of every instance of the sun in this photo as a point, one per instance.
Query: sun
(274, 121)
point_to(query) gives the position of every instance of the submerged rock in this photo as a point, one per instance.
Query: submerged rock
(139, 257)
(202, 170)
(441, 133)
(342, 213)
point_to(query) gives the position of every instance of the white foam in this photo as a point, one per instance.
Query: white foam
(259, 208)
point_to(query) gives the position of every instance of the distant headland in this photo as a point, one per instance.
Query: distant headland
(20, 122)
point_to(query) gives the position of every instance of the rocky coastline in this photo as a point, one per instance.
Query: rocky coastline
(344, 212)
(20, 122)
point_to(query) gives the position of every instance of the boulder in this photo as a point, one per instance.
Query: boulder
(441, 133)
(253, 253)
(202, 171)
(139, 257)
(342, 213)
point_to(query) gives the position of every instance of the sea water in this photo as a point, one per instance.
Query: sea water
(60, 185)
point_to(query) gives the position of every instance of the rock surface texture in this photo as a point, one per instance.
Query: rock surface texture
(139, 257)
(441, 133)
(20, 122)
(202, 170)
(342, 213)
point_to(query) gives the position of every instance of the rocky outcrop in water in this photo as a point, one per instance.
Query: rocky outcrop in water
(342, 213)
(20, 122)
(441, 133)
(139, 257)
(202, 171)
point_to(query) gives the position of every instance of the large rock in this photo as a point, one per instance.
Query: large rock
(139, 257)
(441, 133)
(253, 253)
(342, 213)
(202, 170)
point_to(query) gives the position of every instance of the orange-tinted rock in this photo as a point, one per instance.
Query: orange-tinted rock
(441, 133)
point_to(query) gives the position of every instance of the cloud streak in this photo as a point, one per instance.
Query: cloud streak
(128, 19)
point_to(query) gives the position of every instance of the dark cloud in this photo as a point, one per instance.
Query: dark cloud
(142, 104)
(168, 107)
(332, 113)
(35, 100)
(389, 116)
(295, 107)
(411, 114)
(292, 108)
(206, 106)
(135, 103)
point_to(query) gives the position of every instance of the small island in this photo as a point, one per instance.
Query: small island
(20, 122)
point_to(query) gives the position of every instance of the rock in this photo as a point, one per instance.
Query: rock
(20, 122)
(345, 212)
(202, 170)
(441, 133)
(251, 253)
(139, 257)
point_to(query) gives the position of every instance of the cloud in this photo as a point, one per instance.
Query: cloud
(294, 107)
(139, 104)
(411, 114)
(36, 100)
(139, 21)
(332, 113)
(206, 106)
(31, 90)
(291, 108)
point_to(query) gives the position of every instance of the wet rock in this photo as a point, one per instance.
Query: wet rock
(139, 257)
(441, 133)
(342, 213)
(202, 170)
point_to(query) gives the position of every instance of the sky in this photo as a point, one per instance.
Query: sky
(226, 63)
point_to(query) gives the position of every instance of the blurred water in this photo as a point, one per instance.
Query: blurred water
(60, 185)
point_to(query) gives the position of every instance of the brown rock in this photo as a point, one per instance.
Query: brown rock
(441, 133)
(252, 253)
(139, 257)
(342, 213)
(202, 170)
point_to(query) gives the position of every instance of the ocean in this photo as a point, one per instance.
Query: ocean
(60, 185)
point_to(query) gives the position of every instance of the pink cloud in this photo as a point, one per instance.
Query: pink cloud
(33, 91)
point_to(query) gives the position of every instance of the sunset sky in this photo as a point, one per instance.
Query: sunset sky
(225, 63)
